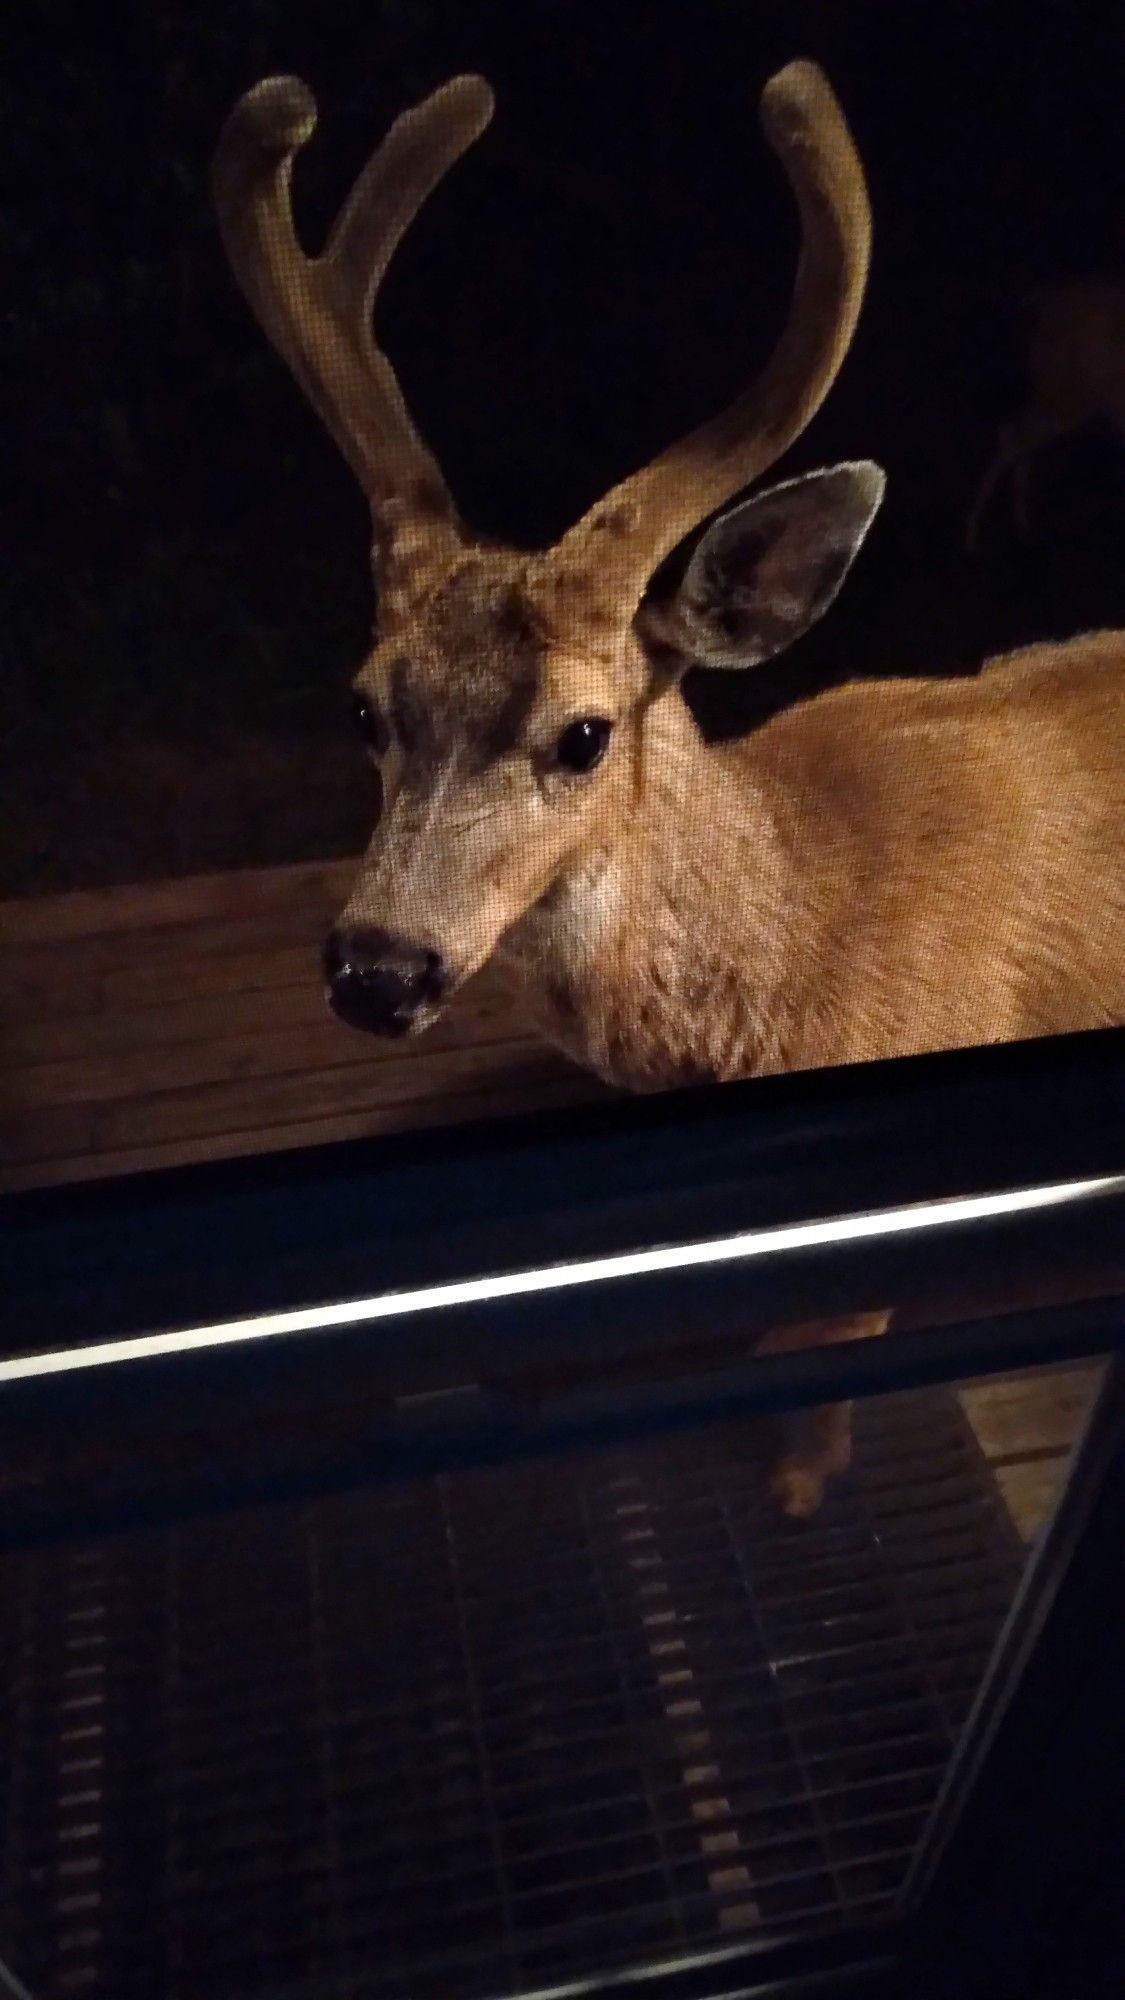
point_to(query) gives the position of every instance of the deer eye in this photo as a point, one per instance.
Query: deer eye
(370, 724)
(583, 744)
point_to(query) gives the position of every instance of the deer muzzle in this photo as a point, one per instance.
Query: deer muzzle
(381, 984)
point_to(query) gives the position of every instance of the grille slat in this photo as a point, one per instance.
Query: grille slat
(472, 1736)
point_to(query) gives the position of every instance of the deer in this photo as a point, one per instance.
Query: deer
(890, 867)
(1076, 378)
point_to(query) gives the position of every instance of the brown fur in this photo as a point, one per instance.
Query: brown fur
(890, 868)
(894, 866)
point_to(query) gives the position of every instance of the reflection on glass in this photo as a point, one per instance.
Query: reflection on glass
(498, 1731)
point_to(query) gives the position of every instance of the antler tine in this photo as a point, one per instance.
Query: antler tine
(628, 534)
(317, 311)
(416, 154)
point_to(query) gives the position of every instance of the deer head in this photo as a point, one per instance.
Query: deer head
(509, 695)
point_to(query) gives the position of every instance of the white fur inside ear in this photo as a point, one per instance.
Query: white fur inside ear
(767, 570)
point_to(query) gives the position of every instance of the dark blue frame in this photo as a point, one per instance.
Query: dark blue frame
(152, 1438)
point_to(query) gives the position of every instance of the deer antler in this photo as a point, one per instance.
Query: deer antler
(628, 534)
(318, 310)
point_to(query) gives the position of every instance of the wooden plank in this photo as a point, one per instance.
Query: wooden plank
(514, 1066)
(244, 1105)
(187, 900)
(50, 986)
(164, 946)
(1034, 1412)
(312, 1048)
(245, 969)
(28, 993)
(236, 1036)
(33, 990)
(168, 946)
(422, 1114)
(54, 1131)
(1028, 1426)
(165, 1024)
(185, 1020)
(243, 1011)
(1030, 1492)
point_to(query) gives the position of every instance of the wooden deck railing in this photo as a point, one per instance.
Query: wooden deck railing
(185, 1021)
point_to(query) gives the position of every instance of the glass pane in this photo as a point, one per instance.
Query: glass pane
(485, 1733)
(480, 1735)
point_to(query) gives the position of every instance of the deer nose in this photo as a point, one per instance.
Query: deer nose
(378, 982)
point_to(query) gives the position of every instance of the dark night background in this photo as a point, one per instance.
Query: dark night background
(185, 594)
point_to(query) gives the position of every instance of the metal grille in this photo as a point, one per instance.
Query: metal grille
(480, 1734)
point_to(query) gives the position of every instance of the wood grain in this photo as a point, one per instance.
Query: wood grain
(192, 899)
(1028, 1427)
(180, 1021)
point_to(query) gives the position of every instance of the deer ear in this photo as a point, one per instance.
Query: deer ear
(765, 572)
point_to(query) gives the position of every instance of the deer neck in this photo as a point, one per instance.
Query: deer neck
(654, 958)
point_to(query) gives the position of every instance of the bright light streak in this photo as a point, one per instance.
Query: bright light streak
(556, 1278)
